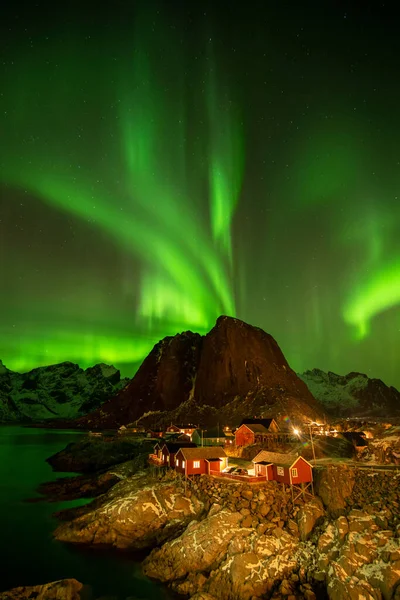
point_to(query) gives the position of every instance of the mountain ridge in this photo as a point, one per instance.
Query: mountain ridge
(60, 391)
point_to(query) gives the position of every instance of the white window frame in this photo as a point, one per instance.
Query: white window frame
(295, 472)
(196, 464)
(280, 471)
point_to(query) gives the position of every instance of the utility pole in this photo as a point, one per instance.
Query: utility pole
(312, 442)
(202, 438)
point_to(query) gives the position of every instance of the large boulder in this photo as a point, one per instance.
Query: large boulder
(204, 544)
(334, 484)
(309, 516)
(136, 513)
(64, 589)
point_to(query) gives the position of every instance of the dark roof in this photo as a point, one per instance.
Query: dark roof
(212, 432)
(214, 459)
(355, 437)
(265, 422)
(173, 447)
(255, 428)
(204, 452)
(283, 460)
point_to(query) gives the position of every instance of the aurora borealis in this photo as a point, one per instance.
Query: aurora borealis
(163, 163)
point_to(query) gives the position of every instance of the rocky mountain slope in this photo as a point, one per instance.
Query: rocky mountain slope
(62, 391)
(234, 371)
(352, 394)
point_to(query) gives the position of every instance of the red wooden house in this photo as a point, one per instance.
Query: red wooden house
(152, 433)
(285, 468)
(170, 449)
(252, 431)
(186, 429)
(197, 461)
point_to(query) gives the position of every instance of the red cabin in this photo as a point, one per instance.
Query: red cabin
(285, 468)
(252, 431)
(170, 449)
(197, 461)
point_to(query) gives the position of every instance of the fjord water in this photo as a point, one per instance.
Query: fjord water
(29, 554)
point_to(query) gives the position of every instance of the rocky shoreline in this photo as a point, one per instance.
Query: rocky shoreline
(215, 539)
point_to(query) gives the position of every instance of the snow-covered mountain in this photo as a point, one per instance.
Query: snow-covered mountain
(354, 394)
(62, 391)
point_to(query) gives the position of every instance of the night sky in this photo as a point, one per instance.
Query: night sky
(163, 163)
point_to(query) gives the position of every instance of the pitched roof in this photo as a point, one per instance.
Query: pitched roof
(265, 422)
(173, 447)
(254, 428)
(276, 458)
(204, 452)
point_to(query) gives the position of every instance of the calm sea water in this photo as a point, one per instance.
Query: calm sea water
(29, 554)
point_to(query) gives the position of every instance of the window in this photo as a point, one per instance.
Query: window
(177, 462)
(168, 459)
(183, 464)
(294, 473)
(280, 471)
(196, 464)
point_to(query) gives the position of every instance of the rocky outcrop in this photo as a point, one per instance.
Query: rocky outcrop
(90, 455)
(352, 394)
(136, 513)
(222, 557)
(233, 371)
(299, 551)
(309, 516)
(385, 445)
(62, 391)
(205, 544)
(64, 589)
(334, 485)
(357, 558)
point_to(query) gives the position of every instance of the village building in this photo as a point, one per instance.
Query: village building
(289, 469)
(197, 461)
(130, 429)
(187, 429)
(170, 449)
(151, 433)
(213, 436)
(256, 431)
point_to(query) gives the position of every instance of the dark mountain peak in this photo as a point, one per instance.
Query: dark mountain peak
(164, 380)
(236, 368)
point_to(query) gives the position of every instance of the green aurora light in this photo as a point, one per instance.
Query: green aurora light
(164, 172)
